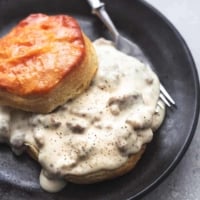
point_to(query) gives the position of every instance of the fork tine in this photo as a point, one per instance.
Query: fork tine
(161, 105)
(165, 100)
(166, 94)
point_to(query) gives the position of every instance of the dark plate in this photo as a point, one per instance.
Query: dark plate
(167, 52)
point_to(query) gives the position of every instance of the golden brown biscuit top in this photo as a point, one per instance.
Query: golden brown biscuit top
(39, 52)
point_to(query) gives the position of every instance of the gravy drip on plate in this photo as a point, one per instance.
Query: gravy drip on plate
(98, 130)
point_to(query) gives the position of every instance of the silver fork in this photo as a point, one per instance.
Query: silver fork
(122, 43)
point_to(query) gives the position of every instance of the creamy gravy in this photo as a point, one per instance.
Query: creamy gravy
(99, 129)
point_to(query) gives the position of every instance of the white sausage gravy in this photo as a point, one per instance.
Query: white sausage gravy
(97, 130)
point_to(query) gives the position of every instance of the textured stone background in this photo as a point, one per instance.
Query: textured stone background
(184, 181)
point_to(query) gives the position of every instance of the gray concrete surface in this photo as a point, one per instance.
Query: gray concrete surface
(184, 182)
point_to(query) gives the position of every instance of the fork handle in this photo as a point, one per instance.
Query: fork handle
(98, 9)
